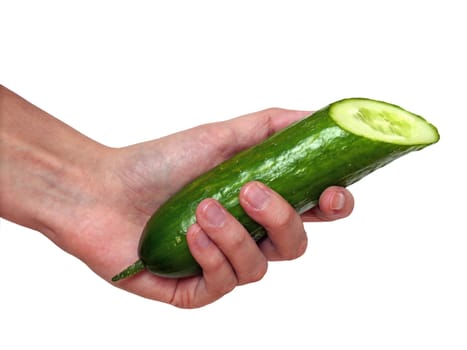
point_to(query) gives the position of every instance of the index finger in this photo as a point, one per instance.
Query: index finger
(254, 128)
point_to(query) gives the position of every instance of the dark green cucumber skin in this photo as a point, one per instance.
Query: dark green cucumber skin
(299, 162)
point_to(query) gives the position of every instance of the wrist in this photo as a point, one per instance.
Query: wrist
(47, 167)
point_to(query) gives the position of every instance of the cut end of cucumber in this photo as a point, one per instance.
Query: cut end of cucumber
(381, 121)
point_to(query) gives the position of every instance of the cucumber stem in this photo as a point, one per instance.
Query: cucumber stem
(131, 270)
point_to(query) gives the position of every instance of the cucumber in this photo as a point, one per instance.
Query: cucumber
(337, 145)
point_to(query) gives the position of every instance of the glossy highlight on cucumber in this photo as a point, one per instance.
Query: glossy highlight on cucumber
(337, 145)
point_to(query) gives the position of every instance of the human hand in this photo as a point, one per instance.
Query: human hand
(147, 174)
(93, 201)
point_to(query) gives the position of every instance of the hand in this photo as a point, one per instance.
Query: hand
(93, 201)
(147, 174)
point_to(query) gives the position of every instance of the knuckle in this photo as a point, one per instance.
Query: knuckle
(273, 111)
(214, 262)
(295, 251)
(230, 285)
(221, 137)
(227, 285)
(282, 219)
(259, 272)
(237, 240)
(256, 274)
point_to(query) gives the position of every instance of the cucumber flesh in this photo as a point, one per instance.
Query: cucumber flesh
(391, 124)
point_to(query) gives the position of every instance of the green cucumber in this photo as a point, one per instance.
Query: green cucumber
(337, 145)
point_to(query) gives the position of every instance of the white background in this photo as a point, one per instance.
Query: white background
(391, 276)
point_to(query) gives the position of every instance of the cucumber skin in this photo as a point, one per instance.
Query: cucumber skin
(299, 162)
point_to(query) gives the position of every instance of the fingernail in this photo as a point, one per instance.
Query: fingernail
(214, 213)
(337, 201)
(256, 196)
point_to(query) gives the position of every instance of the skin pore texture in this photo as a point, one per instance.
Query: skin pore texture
(92, 201)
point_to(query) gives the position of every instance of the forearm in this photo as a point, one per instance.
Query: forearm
(45, 165)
